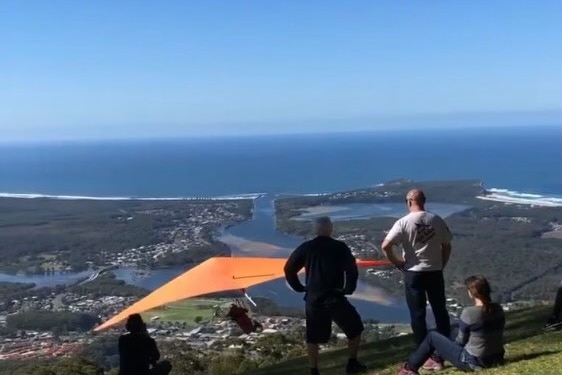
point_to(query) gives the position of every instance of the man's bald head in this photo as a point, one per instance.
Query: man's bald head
(415, 198)
(323, 226)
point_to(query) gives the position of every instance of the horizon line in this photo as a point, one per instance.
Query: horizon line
(291, 134)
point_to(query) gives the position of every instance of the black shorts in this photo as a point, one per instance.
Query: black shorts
(319, 318)
(161, 368)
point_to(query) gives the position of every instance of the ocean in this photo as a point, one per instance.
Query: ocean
(524, 159)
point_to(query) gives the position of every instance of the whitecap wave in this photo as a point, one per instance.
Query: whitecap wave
(516, 197)
(101, 198)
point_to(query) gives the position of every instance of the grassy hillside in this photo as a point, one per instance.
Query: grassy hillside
(529, 351)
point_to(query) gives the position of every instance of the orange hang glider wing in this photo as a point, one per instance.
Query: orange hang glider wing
(214, 275)
(373, 263)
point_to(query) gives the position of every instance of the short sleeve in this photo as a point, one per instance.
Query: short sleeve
(395, 233)
(464, 328)
(465, 316)
(446, 236)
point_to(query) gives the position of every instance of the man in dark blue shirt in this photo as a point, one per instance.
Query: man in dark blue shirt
(331, 274)
(138, 353)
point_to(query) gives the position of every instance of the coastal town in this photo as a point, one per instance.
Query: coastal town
(193, 229)
(215, 331)
(182, 233)
(187, 228)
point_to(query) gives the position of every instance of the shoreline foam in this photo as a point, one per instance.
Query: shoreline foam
(493, 194)
(515, 197)
(251, 196)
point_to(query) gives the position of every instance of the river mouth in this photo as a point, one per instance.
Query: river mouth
(245, 247)
(259, 237)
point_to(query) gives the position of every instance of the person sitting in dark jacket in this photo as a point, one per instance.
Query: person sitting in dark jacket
(138, 353)
(555, 320)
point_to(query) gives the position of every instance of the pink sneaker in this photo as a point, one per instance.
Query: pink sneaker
(432, 365)
(404, 370)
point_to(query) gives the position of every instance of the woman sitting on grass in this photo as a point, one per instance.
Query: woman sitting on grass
(479, 343)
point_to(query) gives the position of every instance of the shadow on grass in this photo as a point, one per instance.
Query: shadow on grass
(526, 324)
(376, 355)
(531, 356)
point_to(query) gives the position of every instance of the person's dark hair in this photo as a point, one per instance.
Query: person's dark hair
(480, 288)
(323, 221)
(135, 324)
(323, 225)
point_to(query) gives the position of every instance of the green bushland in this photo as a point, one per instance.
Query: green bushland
(45, 235)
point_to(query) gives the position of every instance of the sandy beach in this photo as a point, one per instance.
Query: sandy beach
(252, 247)
(322, 210)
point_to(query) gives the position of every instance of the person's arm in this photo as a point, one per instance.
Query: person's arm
(464, 329)
(393, 238)
(292, 268)
(120, 345)
(351, 272)
(154, 352)
(446, 246)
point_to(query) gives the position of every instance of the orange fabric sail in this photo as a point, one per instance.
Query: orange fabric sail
(214, 275)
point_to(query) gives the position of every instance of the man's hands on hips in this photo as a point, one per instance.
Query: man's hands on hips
(301, 289)
(400, 264)
(343, 291)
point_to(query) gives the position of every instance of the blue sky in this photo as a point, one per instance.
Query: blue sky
(77, 69)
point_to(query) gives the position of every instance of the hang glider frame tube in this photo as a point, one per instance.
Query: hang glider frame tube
(251, 276)
(249, 298)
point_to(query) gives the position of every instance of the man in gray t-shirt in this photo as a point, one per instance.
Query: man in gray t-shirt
(426, 246)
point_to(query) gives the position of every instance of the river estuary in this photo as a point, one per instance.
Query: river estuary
(259, 237)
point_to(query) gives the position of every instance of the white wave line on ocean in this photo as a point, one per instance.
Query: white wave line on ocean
(101, 198)
(492, 194)
(515, 197)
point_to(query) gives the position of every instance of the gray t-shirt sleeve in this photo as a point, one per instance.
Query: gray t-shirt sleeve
(446, 235)
(464, 326)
